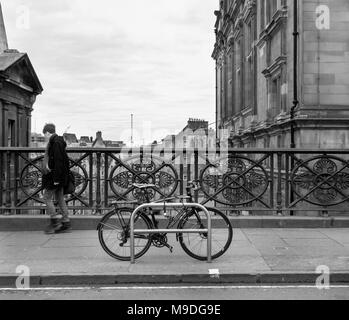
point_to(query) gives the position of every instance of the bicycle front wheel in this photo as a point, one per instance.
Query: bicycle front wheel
(114, 234)
(195, 244)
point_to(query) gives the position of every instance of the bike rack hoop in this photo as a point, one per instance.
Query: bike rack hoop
(171, 205)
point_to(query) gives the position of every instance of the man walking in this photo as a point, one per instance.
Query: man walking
(55, 178)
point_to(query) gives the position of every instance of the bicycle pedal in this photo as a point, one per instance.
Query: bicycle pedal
(169, 247)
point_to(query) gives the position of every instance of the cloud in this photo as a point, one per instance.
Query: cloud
(101, 61)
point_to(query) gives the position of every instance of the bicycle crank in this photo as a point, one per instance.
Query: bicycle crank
(161, 241)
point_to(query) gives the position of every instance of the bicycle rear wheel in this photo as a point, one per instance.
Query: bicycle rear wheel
(195, 244)
(114, 234)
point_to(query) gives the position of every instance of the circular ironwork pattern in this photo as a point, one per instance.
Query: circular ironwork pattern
(322, 181)
(143, 170)
(234, 181)
(30, 182)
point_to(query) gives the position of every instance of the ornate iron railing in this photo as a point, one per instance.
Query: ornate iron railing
(259, 181)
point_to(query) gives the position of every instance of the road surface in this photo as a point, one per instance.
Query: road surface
(293, 292)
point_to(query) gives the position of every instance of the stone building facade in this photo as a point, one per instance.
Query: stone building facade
(254, 54)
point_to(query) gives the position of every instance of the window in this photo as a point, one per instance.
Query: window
(238, 89)
(11, 138)
(230, 84)
(219, 89)
(276, 95)
(249, 82)
(222, 91)
(27, 128)
(249, 65)
(239, 76)
(225, 89)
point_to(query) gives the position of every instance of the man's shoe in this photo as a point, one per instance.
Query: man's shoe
(54, 225)
(65, 227)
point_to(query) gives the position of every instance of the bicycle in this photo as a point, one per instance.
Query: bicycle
(114, 229)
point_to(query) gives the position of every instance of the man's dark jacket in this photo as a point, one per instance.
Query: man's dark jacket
(58, 162)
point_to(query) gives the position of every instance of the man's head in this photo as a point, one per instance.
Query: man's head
(49, 130)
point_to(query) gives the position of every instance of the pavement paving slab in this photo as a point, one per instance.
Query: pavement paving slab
(340, 235)
(300, 234)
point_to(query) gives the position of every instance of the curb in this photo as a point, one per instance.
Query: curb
(198, 279)
(38, 223)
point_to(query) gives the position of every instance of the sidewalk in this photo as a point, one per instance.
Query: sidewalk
(255, 256)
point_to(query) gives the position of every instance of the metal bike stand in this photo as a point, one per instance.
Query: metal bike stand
(154, 231)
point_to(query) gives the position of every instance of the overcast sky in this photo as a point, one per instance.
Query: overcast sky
(100, 61)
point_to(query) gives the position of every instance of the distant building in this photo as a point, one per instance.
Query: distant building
(195, 135)
(98, 142)
(70, 139)
(169, 141)
(85, 141)
(19, 87)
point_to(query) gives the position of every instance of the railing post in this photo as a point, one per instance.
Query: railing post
(188, 154)
(279, 185)
(291, 195)
(8, 181)
(1, 181)
(98, 182)
(272, 177)
(106, 179)
(287, 182)
(181, 174)
(16, 182)
(91, 180)
(196, 172)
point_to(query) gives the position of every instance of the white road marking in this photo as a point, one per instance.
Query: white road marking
(168, 288)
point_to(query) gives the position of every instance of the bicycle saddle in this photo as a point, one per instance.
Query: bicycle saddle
(143, 186)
